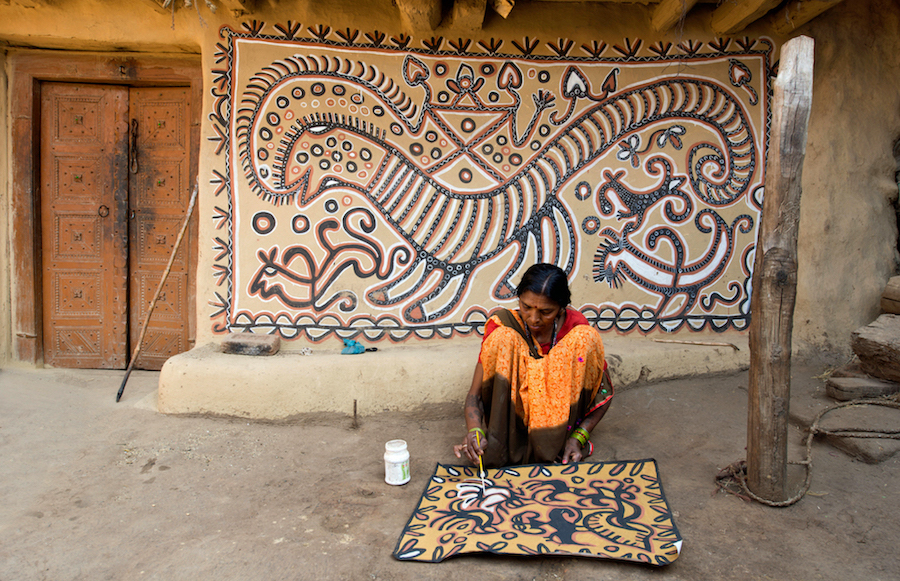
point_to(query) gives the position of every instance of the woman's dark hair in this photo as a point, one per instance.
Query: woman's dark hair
(548, 280)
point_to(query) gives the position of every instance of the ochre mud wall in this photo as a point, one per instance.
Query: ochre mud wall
(848, 221)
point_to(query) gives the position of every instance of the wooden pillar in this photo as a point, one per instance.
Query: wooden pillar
(775, 275)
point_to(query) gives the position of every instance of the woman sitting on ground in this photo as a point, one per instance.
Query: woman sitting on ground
(539, 386)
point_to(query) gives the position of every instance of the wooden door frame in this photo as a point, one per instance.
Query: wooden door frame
(27, 70)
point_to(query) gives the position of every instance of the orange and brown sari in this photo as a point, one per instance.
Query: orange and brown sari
(533, 398)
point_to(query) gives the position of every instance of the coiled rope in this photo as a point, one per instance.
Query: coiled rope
(733, 478)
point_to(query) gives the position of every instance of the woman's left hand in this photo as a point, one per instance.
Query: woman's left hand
(572, 452)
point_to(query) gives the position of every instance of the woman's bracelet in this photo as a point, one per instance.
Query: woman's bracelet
(483, 435)
(581, 435)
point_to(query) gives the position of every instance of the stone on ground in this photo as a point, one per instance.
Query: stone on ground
(847, 388)
(878, 347)
(250, 344)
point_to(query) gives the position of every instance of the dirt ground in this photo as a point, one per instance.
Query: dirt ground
(97, 490)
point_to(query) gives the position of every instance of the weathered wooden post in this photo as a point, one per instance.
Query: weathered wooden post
(775, 275)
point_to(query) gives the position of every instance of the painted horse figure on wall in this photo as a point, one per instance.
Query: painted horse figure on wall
(467, 171)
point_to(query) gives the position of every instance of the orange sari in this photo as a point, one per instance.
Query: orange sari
(532, 403)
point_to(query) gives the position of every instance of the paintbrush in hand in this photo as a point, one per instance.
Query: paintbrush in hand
(480, 463)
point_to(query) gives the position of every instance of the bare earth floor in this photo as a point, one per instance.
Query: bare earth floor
(97, 490)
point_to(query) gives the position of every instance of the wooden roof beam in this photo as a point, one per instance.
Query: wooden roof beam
(468, 15)
(668, 12)
(502, 7)
(796, 13)
(420, 15)
(734, 16)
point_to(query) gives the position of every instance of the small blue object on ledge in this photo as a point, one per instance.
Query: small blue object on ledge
(352, 347)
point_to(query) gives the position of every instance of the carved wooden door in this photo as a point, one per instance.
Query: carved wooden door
(115, 165)
(160, 189)
(84, 180)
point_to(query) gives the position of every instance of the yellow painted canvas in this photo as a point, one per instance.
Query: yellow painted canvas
(608, 510)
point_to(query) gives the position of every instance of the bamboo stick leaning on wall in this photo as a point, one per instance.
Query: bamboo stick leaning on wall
(775, 275)
(162, 281)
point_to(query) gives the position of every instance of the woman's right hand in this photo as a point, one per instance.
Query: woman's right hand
(473, 446)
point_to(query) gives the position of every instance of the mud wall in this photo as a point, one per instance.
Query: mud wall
(665, 207)
(848, 224)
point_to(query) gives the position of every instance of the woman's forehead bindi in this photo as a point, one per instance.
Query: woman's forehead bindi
(537, 301)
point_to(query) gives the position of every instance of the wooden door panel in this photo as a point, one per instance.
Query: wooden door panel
(83, 205)
(166, 336)
(160, 192)
(78, 237)
(78, 294)
(82, 178)
(155, 234)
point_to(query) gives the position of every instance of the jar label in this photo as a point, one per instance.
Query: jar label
(396, 472)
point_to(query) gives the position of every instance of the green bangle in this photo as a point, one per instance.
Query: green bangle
(478, 430)
(581, 435)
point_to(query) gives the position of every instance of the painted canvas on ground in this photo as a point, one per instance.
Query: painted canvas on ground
(386, 187)
(611, 510)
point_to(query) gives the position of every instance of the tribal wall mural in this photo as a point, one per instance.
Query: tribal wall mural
(382, 188)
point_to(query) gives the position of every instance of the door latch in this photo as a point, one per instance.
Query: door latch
(133, 150)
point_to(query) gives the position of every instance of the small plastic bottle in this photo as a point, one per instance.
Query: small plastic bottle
(396, 462)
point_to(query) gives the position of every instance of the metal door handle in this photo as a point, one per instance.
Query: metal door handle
(103, 211)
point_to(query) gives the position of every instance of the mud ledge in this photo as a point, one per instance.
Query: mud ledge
(206, 381)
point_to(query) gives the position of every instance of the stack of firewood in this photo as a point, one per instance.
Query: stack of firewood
(877, 347)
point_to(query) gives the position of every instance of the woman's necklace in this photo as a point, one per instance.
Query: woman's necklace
(561, 315)
(552, 334)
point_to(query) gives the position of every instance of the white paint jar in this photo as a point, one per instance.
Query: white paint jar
(396, 462)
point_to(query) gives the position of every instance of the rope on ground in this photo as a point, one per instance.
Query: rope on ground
(733, 478)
